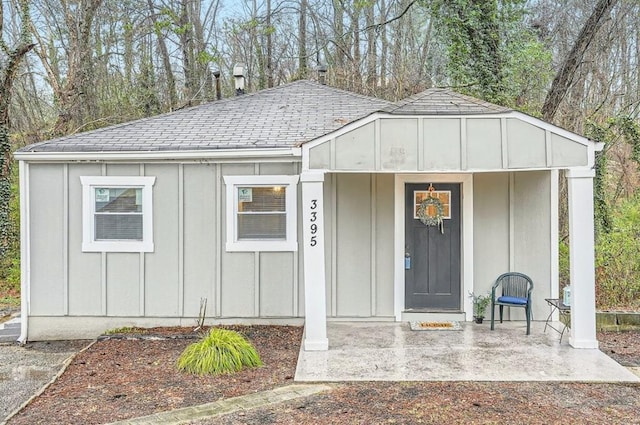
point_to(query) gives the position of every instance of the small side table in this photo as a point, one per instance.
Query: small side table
(563, 310)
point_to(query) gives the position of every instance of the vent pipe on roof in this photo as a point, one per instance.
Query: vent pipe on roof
(238, 75)
(216, 74)
(322, 74)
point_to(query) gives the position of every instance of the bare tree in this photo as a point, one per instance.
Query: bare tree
(566, 74)
(10, 60)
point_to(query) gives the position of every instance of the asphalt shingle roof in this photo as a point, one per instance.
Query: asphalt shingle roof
(280, 117)
(443, 102)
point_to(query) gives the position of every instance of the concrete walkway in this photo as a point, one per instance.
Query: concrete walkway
(390, 351)
(226, 406)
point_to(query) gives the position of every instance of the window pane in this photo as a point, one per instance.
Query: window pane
(262, 226)
(119, 226)
(262, 199)
(114, 200)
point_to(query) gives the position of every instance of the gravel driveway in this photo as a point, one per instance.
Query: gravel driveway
(24, 370)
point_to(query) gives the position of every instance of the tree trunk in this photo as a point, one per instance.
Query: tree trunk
(302, 40)
(77, 98)
(565, 76)
(372, 51)
(166, 59)
(8, 69)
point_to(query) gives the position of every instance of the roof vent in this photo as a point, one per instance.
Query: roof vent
(216, 74)
(238, 75)
(322, 74)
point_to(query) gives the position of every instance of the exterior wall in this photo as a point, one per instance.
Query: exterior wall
(76, 294)
(85, 293)
(433, 144)
(532, 217)
(359, 245)
(491, 229)
(513, 232)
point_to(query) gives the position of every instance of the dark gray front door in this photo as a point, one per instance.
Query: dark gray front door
(432, 273)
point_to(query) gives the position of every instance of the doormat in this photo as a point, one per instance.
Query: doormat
(436, 326)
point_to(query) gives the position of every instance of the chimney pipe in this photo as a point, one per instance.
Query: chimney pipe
(216, 74)
(238, 75)
(322, 74)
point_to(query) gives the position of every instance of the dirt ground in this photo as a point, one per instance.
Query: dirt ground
(122, 378)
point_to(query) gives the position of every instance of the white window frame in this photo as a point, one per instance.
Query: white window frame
(290, 243)
(89, 183)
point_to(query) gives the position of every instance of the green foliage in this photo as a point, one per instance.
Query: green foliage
(615, 130)
(123, 330)
(221, 351)
(563, 253)
(480, 304)
(491, 52)
(527, 57)
(618, 259)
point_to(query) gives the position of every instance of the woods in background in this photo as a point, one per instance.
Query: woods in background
(92, 63)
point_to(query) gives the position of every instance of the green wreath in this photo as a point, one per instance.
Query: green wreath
(425, 218)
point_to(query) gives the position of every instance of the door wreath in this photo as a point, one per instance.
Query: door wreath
(431, 220)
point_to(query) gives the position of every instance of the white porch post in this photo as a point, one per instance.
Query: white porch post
(315, 338)
(582, 263)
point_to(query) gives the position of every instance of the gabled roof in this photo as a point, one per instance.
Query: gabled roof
(443, 102)
(283, 116)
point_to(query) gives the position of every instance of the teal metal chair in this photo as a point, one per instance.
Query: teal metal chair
(515, 291)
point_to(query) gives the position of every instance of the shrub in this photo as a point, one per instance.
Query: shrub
(220, 351)
(618, 259)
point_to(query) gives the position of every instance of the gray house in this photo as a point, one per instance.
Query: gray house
(301, 203)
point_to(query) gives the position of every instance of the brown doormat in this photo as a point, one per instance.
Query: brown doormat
(436, 326)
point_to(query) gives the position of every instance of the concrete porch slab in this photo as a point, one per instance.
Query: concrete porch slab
(375, 351)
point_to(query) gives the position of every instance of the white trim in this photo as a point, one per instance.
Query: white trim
(158, 155)
(315, 283)
(25, 249)
(181, 239)
(512, 222)
(88, 206)
(580, 173)
(65, 238)
(217, 216)
(511, 114)
(373, 249)
(581, 259)
(466, 181)
(291, 200)
(554, 278)
(504, 143)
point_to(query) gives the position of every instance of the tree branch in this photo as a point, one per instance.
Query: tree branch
(565, 76)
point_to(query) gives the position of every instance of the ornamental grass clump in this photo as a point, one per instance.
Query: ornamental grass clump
(219, 352)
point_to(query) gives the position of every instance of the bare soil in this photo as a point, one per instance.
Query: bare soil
(120, 378)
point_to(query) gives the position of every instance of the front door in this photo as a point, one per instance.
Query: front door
(432, 252)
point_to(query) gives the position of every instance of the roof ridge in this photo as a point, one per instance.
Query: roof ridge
(441, 101)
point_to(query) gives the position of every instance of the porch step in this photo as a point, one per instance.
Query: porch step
(420, 316)
(10, 331)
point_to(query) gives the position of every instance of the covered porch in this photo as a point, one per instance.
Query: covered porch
(500, 168)
(365, 351)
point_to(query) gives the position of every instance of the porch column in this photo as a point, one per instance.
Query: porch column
(315, 310)
(581, 257)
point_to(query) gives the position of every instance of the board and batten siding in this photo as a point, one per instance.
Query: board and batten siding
(513, 231)
(359, 245)
(433, 144)
(94, 291)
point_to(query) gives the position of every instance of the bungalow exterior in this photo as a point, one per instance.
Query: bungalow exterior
(301, 202)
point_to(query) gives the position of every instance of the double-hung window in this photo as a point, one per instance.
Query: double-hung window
(261, 213)
(117, 214)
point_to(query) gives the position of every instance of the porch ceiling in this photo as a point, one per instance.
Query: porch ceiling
(386, 142)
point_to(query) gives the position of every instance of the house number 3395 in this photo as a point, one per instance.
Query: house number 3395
(313, 226)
